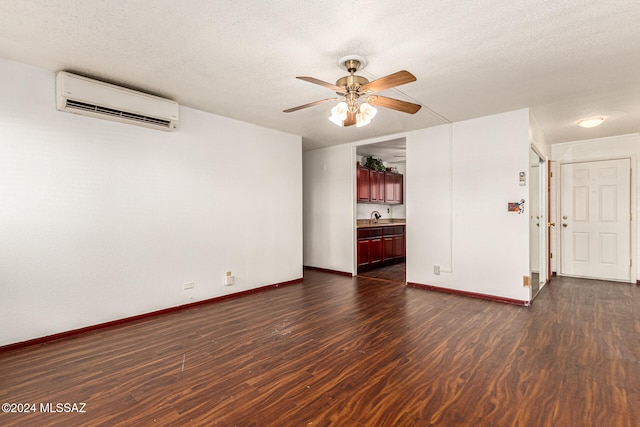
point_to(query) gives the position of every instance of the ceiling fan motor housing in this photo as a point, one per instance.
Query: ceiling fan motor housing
(351, 83)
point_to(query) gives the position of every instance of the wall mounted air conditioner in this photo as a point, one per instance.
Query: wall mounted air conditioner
(82, 95)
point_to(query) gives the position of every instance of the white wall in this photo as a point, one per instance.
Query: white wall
(101, 220)
(487, 251)
(624, 146)
(329, 183)
(536, 137)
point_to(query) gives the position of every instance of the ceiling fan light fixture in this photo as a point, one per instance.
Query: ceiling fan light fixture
(367, 112)
(591, 122)
(361, 120)
(336, 120)
(339, 113)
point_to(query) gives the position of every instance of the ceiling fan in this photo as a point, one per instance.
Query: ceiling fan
(357, 94)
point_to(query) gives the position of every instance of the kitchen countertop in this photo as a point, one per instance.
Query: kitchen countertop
(383, 222)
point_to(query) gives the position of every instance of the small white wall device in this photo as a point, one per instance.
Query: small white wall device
(228, 279)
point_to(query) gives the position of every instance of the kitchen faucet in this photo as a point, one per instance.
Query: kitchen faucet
(375, 216)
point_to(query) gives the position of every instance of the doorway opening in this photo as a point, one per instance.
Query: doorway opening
(380, 209)
(538, 222)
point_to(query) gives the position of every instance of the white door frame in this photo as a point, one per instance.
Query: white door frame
(555, 182)
(543, 209)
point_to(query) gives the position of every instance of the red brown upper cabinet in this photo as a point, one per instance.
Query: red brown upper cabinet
(378, 186)
(393, 183)
(364, 188)
(376, 182)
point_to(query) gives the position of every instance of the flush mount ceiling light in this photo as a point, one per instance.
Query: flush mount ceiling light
(591, 122)
(357, 94)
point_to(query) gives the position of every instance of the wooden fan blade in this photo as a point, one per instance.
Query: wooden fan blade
(311, 104)
(392, 80)
(394, 104)
(350, 120)
(323, 84)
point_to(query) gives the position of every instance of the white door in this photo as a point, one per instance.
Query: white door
(595, 219)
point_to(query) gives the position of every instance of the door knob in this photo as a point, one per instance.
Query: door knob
(551, 224)
(564, 225)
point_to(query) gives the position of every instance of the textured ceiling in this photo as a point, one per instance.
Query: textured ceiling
(564, 59)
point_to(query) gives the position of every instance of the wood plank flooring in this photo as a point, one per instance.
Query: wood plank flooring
(340, 351)
(391, 273)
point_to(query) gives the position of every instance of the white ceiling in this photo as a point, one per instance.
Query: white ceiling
(564, 59)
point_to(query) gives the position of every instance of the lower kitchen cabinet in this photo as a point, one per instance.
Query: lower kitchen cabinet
(399, 246)
(393, 247)
(363, 252)
(379, 246)
(369, 247)
(388, 247)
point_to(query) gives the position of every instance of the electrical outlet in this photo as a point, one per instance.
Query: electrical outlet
(228, 279)
(189, 285)
(436, 269)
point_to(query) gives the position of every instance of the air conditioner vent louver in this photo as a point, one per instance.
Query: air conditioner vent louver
(116, 113)
(81, 95)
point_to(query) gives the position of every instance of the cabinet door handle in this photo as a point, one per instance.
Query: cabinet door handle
(551, 224)
(564, 225)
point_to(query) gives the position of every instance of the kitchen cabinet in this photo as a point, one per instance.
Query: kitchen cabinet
(379, 186)
(393, 242)
(362, 178)
(375, 251)
(363, 252)
(370, 251)
(399, 246)
(379, 246)
(393, 188)
(387, 244)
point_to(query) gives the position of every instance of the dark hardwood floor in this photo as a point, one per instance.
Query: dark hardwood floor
(343, 351)
(392, 273)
